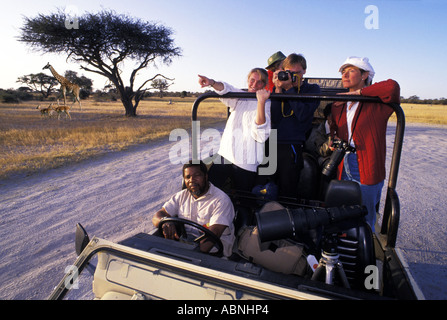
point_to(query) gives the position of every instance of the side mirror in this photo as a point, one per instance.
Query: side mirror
(81, 239)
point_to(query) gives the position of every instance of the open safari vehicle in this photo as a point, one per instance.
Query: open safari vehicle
(344, 258)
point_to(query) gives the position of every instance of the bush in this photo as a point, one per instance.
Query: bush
(14, 96)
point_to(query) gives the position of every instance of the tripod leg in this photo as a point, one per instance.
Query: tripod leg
(326, 269)
(342, 274)
(330, 274)
(318, 271)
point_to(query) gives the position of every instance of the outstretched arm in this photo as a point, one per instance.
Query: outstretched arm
(206, 82)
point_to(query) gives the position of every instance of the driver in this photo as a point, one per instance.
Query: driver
(203, 203)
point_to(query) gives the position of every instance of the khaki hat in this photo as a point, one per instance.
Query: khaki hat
(278, 56)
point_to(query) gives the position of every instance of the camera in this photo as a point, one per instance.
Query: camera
(341, 148)
(275, 222)
(284, 76)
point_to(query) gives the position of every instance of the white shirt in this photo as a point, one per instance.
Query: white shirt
(214, 207)
(243, 140)
(350, 113)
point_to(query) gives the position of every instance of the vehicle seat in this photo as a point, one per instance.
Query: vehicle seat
(355, 245)
(308, 184)
(343, 193)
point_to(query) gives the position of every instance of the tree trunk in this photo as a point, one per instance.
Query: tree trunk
(126, 99)
(131, 111)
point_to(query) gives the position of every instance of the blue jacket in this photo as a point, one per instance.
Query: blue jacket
(292, 127)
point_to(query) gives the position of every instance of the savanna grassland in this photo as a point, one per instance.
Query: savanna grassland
(424, 113)
(30, 142)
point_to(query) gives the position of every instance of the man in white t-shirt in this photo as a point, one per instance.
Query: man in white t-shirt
(203, 203)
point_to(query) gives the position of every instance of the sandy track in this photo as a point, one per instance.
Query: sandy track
(114, 197)
(422, 186)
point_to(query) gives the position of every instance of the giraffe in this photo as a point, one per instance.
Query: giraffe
(66, 86)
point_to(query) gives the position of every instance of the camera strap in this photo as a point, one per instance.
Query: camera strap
(299, 78)
(355, 120)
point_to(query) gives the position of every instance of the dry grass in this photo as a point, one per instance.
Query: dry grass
(424, 113)
(30, 143)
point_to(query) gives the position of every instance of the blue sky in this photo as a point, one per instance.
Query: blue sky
(225, 39)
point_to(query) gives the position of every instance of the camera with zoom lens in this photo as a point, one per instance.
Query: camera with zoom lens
(284, 76)
(341, 148)
(275, 222)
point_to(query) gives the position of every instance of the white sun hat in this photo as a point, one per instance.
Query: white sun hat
(361, 63)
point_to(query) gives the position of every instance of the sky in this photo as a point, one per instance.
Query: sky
(405, 40)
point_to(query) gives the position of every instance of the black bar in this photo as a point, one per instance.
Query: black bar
(279, 96)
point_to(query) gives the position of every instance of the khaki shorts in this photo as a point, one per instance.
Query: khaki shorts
(280, 255)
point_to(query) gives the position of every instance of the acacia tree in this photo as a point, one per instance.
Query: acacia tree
(161, 85)
(101, 43)
(39, 82)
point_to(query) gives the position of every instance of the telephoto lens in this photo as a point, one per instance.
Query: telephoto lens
(331, 166)
(276, 222)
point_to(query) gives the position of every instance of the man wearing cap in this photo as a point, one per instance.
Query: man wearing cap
(363, 125)
(274, 63)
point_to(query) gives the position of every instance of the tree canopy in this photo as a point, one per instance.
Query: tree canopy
(101, 43)
(39, 82)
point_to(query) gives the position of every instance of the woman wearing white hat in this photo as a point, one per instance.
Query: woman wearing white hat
(363, 125)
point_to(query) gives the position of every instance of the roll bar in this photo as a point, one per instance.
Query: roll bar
(391, 215)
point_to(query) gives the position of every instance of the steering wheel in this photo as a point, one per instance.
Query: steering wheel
(207, 233)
